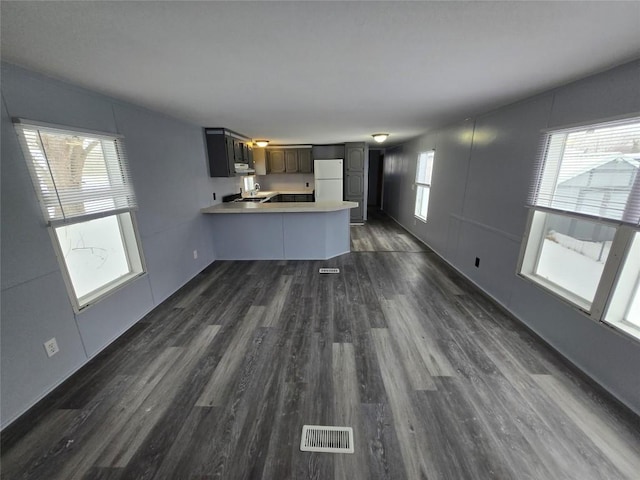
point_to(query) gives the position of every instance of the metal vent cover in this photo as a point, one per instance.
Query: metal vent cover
(319, 438)
(329, 270)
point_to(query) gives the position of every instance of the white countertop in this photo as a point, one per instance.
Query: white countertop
(280, 207)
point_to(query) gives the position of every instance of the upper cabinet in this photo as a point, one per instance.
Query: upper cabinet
(305, 164)
(275, 161)
(225, 149)
(289, 160)
(355, 157)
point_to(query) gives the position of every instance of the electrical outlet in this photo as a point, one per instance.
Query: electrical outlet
(477, 262)
(214, 195)
(307, 184)
(195, 254)
(51, 347)
(414, 221)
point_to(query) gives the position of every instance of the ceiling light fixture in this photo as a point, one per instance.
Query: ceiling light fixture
(380, 137)
(262, 143)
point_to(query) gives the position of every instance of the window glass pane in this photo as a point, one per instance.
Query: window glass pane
(424, 167)
(592, 170)
(421, 168)
(572, 254)
(633, 313)
(425, 203)
(94, 253)
(429, 168)
(624, 307)
(419, 193)
(422, 202)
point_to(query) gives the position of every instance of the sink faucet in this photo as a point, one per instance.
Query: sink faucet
(256, 189)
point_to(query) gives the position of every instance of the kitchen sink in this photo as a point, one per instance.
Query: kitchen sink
(249, 199)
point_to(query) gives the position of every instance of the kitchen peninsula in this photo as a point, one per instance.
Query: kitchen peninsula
(279, 231)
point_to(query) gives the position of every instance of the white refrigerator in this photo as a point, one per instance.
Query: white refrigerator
(328, 180)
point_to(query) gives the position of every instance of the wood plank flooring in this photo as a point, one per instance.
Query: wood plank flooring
(436, 381)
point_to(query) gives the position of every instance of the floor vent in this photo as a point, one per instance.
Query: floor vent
(329, 270)
(316, 438)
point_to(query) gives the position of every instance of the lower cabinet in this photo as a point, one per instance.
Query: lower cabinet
(356, 215)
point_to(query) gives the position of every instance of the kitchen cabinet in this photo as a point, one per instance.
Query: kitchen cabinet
(305, 164)
(224, 149)
(355, 157)
(355, 173)
(291, 160)
(247, 154)
(275, 161)
(220, 153)
(354, 185)
(237, 150)
(356, 215)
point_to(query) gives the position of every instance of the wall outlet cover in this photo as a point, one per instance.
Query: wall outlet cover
(195, 254)
(51, 347)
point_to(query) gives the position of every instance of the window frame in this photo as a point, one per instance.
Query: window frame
(128, 230)
(532, 241)
(531, 248)
(426, 187)
(132, 244)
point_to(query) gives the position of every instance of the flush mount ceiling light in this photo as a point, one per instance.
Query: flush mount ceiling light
(262, 143)
(380, 137)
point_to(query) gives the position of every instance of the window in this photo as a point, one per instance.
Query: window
(624, 307)
(423, 184)
(582, 241)
(88, 201)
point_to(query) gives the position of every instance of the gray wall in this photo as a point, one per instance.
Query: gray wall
(286, 182)
(171, 180)
(482, 172)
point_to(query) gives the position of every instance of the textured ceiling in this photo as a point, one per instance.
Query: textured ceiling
(320, 72)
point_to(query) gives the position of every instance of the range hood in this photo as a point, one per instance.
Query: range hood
(243, 169)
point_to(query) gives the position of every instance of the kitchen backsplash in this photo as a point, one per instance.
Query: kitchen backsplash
(285, 181)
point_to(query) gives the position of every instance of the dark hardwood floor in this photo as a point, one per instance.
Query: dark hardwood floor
(380, 234)
(436, 381)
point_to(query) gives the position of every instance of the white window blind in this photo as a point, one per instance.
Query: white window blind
(591, 171)
(79, 176)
